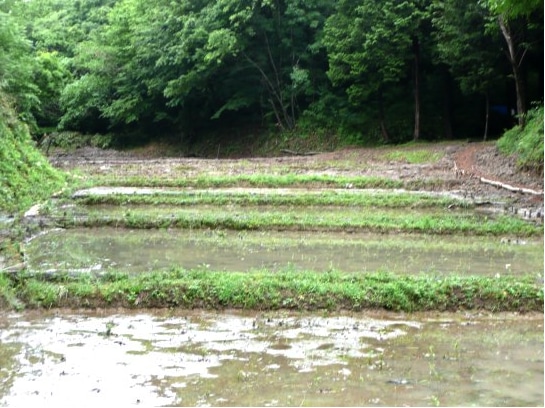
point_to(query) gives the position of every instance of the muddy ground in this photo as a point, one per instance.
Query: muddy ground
(460, 169)
(233, 358)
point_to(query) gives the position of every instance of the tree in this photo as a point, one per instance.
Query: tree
(263, 50)
(50, 76)
(190, 62)
(191, 67)
(16, 65)
(371, 45)
(464, 47)
(56, 29)
(517, 21)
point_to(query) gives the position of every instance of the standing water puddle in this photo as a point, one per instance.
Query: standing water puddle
(196, 358)
(101, 249)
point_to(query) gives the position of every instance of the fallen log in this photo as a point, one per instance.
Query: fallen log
(510, 187)
(294, 153)
(14, 268)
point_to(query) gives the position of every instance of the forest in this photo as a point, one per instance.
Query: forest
(367, 71)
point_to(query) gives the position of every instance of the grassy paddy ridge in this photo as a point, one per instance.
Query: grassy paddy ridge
(433, 221)
(286, 202)
(265, 181)
(262, 290)
(346, 198)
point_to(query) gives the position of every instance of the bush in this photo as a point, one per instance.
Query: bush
(67, 140)
(526, 142)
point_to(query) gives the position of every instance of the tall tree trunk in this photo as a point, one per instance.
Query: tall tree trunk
(447, 108)
(487, 116)
(515, 62)
(383, 128)
(278, 105)
(416, 51)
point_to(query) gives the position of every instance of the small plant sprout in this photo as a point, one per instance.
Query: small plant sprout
(457, 351)
(435, 401)
(109, 326)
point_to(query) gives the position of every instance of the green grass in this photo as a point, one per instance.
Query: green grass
(8, 293)
(526, 143)
(290, 218)
(324, 198)
(260, 180)
(414, 156)
(263, 290)
(25, 175)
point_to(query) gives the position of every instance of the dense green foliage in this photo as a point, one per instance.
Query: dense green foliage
(25, 176)
(364, 70)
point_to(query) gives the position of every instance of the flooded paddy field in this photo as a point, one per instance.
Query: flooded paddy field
(196, 358)
(137, 250)
(209, 234)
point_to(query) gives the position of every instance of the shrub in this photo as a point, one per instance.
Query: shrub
(526, 142)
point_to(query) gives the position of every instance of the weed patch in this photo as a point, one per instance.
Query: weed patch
(414, 156)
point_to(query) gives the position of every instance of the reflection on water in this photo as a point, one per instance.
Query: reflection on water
(144, 250)
(270, 359)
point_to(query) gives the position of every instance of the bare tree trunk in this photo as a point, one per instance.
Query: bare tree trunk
(275, 97)
(276, 114)
(515, 62)
(487, 116)
(416, 50)
(383, 129)
(447, 110)
(289, 122)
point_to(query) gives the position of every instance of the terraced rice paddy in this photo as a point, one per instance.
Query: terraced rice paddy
(324, 283)
(135, 217)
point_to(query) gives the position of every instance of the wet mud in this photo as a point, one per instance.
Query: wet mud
(195, 358)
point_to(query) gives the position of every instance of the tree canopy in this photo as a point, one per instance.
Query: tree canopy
(367, 70)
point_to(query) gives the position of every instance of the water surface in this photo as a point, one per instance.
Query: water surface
(101, 249)
(199, 358)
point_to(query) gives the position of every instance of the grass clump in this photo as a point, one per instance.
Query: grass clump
(414, 156)
(8, 295)
(264, 290)
(526, 142)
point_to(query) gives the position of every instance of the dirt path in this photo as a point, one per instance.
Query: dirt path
(478, 161)
(484, 160)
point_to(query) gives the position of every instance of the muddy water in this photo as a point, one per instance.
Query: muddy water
(101, 249)
(274, 359)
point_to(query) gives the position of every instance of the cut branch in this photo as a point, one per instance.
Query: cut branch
(511, 188)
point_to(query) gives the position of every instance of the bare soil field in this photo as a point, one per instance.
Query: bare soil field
(460, 168)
